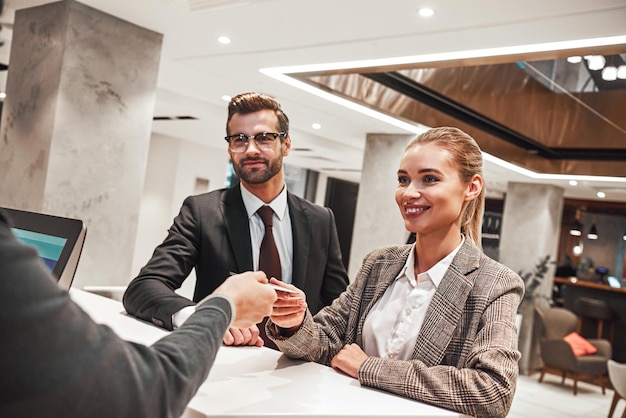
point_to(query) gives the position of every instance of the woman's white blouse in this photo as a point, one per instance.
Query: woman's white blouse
(392, 326)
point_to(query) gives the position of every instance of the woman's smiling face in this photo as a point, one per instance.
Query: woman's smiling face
(430, 193)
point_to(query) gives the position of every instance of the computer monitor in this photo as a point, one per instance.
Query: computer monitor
(59, 241)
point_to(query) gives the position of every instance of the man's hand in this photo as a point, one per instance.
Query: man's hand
(349, 359)
(243, 336)
(252, 297)
(289, 309)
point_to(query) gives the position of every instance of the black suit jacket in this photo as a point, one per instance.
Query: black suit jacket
(55, 361)
(211, 234)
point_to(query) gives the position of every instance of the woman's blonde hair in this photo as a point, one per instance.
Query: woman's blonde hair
(467, 156)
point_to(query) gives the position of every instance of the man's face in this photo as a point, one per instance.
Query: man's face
(255, 166)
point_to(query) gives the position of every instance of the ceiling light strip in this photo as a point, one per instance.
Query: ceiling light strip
(454, 55)
(541, 176)
(280, 73)
(417, 129)
(410, 127)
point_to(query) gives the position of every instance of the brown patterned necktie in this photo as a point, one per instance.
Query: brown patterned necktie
(269, 261)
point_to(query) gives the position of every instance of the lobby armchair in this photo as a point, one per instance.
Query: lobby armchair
(558, 356)
(617, 375)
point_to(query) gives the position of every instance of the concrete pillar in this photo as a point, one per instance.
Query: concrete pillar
(76, 126)
(377, 220)
(531, 224)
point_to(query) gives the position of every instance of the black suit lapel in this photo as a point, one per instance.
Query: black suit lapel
(301, 229)
(237, 228)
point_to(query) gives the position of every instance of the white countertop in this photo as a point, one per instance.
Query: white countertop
(261, 382)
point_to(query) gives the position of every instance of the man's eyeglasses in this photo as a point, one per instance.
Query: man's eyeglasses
(264, 140)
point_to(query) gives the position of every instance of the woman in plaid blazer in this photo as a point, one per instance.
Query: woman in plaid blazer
(433, 321)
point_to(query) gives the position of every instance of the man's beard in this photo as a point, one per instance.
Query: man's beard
(258, 176)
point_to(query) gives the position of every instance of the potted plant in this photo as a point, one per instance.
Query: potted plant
(538, 292)
(534, 280)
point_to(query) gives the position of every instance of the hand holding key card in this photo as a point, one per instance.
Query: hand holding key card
(289, 309)
(282, 289)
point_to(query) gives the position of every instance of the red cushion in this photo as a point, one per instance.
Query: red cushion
(580, 346)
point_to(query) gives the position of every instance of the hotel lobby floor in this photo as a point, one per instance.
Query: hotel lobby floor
(550, 399)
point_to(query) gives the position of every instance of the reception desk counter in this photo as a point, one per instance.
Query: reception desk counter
(573, 281)
(261, 382)
(573, 289)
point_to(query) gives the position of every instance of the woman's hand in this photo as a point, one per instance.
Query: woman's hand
(349, 359)
(289, 309)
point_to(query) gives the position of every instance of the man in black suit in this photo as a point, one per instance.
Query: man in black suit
(219, 233)
(55, 361)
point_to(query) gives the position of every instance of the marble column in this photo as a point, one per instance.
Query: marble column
(377, 220)
(76, 125)
(531, 225)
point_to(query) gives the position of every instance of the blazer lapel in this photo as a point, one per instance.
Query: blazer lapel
(237, 228)
(301, 230)
(447, 306)
(387, 273)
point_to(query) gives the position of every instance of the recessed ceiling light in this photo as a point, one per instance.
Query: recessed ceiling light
(316, 126)
(426, 12)
(223, 40)
(575, 59)
(609, 73)
(601, 195)
(596, 62)
(226, 98)
(3, 95)
(573, 182)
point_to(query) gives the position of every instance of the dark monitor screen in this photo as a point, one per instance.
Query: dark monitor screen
(58, 240)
